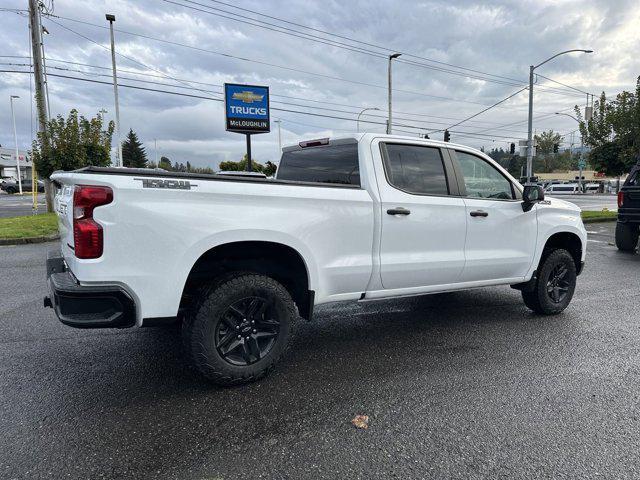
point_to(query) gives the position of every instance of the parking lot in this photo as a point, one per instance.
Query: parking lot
(460, 385)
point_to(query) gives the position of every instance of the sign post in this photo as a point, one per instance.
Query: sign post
(247, 111)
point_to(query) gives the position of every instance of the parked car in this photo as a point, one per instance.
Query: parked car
(11, 186)
(563, 189)
(591, 188)
(237, 259)
(628, 225)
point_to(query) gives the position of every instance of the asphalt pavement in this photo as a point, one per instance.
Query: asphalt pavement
(20, 205)
(459, 385)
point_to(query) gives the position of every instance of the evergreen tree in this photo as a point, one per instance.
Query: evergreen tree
(133, 154)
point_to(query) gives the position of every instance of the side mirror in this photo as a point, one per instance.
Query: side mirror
(531, 194)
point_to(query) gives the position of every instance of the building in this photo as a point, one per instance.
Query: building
(8, 170)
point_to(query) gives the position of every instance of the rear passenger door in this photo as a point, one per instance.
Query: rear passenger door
(501, 237)
(423, 218)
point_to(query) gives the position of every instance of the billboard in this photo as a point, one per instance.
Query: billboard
(246, 108)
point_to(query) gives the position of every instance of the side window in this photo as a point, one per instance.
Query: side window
(415, 169)
(327, 164)
(482, 179)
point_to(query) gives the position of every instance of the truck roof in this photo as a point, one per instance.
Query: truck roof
(384, 136)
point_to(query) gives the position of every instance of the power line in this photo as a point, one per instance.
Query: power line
(315, 38)
(287, 31)
(182, 94)
(431, 122)
(244, 59)
(342, 104)
(109, 49)
(484, 110)
(564, 84)
(386, 49)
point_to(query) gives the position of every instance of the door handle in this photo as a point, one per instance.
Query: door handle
(398, 211)
(479, 213)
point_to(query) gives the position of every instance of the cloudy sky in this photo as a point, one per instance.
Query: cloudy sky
(458, 58)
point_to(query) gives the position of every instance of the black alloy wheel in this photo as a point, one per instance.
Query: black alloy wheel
(248, 331)
(558, 284)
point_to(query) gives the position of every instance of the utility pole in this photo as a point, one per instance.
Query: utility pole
(391, 57)
(279, 136)
(155, 150)
(15, 138)
(38, 65)
(112, 18)
(37, 50)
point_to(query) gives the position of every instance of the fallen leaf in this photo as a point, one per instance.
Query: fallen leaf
(361, 421)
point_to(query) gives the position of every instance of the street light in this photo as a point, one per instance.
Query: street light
(530, 135)
(580, 164)
(278, 121)
(15, 138)
(363, 110)
(391, 57)
(112, 18)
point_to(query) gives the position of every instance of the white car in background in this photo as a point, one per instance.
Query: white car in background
(563, 189)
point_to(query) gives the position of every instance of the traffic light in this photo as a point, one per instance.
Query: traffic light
(512, 148)
(447, 136)
(556, 147)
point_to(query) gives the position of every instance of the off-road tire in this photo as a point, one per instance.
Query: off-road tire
(626, 237)
(213, 301)
(539, 299)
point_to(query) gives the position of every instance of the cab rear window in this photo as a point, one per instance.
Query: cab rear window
(337, 164)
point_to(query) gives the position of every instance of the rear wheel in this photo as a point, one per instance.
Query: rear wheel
(626, 237)
(555, 284)
(11, 190)
(239, 328)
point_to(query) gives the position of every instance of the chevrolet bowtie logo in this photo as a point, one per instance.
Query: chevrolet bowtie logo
(247, 97)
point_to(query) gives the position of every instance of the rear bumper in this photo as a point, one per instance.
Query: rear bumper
(629, 215)
(86, 306)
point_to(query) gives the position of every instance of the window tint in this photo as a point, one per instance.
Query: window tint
(416, 169)
(326, 164)
(482, 179)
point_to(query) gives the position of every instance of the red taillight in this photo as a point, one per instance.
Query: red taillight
(620, 199)
(87, 233)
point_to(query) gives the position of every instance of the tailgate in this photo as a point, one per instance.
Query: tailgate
(63, 206)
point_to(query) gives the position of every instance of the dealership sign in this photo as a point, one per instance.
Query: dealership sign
(246, 108)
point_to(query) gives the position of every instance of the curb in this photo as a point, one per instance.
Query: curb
(599, 220)
(27, 240)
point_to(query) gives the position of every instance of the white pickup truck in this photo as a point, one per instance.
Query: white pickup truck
(237, 259)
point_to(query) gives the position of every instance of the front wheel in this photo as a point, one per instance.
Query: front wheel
(555, 284)
(626, 237)
(239, 328)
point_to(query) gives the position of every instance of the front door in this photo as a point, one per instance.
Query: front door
(501, 237)
(423, 225)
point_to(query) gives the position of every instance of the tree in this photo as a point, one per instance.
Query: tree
(613, 132)
(165, 163)
(70, 144)
(545, 149)
(269, 169)
(133, 153)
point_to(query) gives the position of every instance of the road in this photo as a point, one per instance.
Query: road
(592, 202)
(460, 385)
(19, 205)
